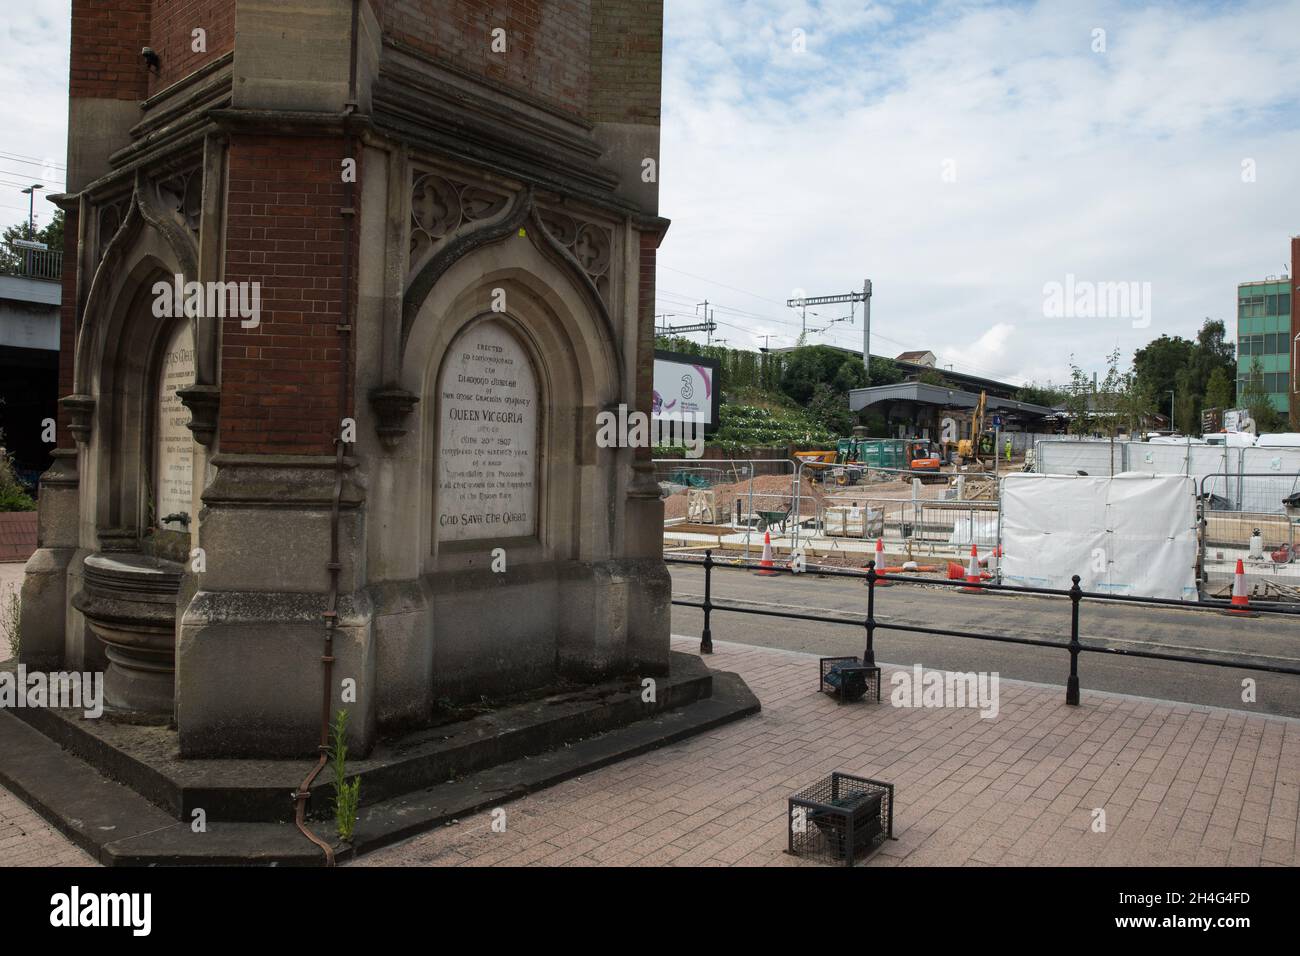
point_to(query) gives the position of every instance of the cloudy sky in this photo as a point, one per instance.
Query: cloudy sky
(816, 169)
(961, 155)
(34, 109)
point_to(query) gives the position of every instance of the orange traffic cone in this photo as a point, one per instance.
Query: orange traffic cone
(767, 566)
(880, 563)
(973, 573)
(1240, 599)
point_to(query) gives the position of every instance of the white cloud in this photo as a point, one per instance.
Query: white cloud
(34, 42)
(1118, 166)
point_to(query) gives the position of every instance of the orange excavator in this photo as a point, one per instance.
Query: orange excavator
(924, 461)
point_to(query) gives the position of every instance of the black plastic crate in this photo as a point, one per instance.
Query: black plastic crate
(840, 818)
(847, 679)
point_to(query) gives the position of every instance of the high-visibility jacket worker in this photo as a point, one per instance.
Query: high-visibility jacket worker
(1008, 449)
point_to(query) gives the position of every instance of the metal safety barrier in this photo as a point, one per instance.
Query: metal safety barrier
(1074, 646)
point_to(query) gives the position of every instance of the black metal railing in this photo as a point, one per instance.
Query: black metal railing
(31, 263)
(1075, 594)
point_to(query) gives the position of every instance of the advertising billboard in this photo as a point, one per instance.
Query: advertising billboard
(686, 388)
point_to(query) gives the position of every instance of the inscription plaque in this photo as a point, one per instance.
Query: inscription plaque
(487, 438)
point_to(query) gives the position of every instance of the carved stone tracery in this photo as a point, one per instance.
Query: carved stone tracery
(441, 206)
(181, 196)
(590, 245)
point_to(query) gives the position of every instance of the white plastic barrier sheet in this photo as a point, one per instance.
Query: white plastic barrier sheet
(1068, 457)
(1133, 534)
(979, 528)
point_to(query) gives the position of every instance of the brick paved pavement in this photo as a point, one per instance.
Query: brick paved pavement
(1180, 784)
(27, 840)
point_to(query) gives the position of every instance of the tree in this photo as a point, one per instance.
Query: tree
(830, 408)
(1213, 353)
(1048, 396)
(1078, 402)
(12, 259)
(1121, 402)
(851, 375)
(1218, 390)
(1158, 363)
(1258, 403)
(885, 371)
(813, 365)
(1187, 369)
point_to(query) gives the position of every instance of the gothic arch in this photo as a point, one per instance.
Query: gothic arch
(575, 359)
(147, 240)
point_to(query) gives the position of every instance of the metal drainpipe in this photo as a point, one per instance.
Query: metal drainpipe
(334, 566)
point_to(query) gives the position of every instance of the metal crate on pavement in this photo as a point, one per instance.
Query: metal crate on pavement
(840, 818)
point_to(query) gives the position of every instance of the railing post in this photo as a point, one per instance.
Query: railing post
(1072, 686)
(869, 655)
(706, 639)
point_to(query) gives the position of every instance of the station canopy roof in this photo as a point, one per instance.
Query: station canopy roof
(940, 396)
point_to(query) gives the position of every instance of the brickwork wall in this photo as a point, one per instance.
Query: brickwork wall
(548, 42)
(171, 34)
(108, 35)
(626, 54)
(106, 41)
(279, 387)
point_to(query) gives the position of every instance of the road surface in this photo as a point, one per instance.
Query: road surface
(1269, 638)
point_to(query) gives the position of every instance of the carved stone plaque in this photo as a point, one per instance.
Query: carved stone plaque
(487, 438)
(173, 441)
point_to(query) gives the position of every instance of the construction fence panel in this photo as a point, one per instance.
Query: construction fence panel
(1022, 442)
(732, 495)
(1244, 517)
(1235, 507)
(958, 523)
(1184, 459)
(1132, 534)
(1269, 460)
(1071, 456)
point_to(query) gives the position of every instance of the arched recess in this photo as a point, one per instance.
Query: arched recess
(578, 373)
(146, 235)
(116, 367)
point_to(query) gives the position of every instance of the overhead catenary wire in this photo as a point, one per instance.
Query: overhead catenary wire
(34, 160)
(666, 298)
(19, 174)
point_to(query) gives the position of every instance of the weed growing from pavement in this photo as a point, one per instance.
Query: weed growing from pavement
(347, 793)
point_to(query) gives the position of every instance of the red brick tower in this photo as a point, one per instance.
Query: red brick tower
(289, 223)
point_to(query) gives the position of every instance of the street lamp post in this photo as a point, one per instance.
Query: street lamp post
(30, 192)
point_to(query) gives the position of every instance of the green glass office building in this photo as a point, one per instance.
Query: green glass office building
(1264, 333)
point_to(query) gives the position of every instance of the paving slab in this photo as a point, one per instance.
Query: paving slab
(1180, 784)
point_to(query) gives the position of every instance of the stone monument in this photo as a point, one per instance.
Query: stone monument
(347, 285)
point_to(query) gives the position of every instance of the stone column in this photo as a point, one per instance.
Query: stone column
(45, 585)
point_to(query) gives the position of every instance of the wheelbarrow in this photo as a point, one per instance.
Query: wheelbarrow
(773, 519)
